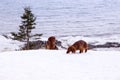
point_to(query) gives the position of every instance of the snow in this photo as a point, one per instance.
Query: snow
(57, 65)
(8, 44)
(12, 45)
(69, 40)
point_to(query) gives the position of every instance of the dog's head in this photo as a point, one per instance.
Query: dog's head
(71, 49)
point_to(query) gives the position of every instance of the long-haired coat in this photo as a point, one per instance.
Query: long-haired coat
(51, 43)
(79, 45)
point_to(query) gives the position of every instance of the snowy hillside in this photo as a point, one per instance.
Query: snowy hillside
(57, 65)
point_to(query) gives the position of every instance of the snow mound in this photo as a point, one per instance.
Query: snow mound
(57, 65)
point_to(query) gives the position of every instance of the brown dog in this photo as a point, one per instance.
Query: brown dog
(51, 43)
(79, 45)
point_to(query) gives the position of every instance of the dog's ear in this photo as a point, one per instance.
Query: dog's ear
(73, 49)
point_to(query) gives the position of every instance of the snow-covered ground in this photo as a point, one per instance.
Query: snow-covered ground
(57, 65)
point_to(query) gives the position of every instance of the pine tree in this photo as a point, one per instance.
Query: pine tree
(28, 24)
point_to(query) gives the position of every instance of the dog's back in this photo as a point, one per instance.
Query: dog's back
(80, 44)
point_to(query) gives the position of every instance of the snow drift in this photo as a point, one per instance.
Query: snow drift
(57, 65)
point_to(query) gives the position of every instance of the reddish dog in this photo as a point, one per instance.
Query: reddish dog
(51, 43)
(79, 45)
